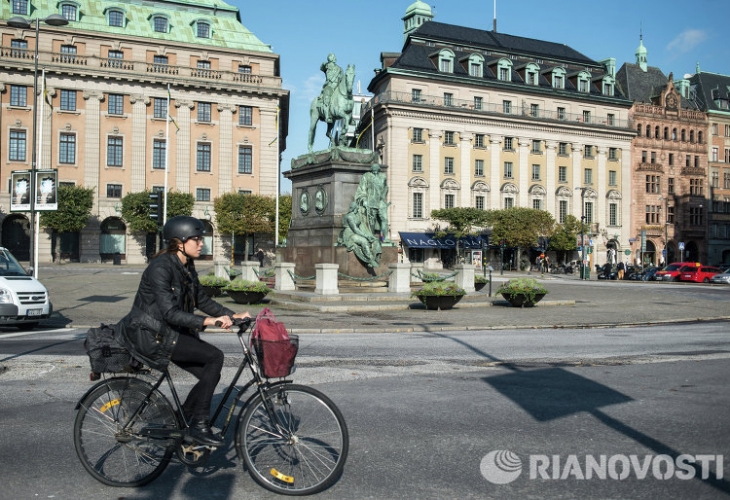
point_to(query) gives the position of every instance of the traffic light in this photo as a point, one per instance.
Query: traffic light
(157, 207)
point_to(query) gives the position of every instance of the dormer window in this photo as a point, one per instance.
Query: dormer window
(446, 61)
(504, 70)
(558, 78)
(532, 72)
(476, 66)
(202, 29)
(115, 17)
(607, 86)
(70, 11)
(584, 82)
(19, 7)
(160, 24)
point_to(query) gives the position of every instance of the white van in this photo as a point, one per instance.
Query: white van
(24, 301)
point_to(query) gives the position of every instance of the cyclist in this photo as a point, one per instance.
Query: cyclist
(163, 326)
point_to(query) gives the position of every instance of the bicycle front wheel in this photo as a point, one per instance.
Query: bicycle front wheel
(294, 441)
(113, 455)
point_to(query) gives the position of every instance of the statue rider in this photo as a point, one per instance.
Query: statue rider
(333, 75)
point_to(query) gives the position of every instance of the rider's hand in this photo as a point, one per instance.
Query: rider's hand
(243, 315)
(221, 321)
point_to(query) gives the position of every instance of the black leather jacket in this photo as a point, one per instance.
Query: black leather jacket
(164, 307)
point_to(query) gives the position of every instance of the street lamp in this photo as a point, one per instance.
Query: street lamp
(22, 23)
(666, 228)
(582, 231)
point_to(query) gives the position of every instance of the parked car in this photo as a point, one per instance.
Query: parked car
(646, 274)
(24, 301)
(607, 272)
(698, 274)
(671, 272)
(723, 277)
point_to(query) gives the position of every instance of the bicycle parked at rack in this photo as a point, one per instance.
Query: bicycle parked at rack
(292, 438)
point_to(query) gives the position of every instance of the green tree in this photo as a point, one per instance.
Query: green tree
(242, 214)
(285, 214)
(136, 209)
(520, 227)
(462, 221)
(564, 238)
(74, 209)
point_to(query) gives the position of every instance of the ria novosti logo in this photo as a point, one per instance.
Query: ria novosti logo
(504, 466)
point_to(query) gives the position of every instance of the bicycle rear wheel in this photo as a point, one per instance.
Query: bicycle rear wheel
(111, 455)
(302, 451)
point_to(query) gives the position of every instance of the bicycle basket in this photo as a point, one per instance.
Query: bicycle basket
(276, 357)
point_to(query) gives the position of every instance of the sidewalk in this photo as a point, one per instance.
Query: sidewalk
(85, 295)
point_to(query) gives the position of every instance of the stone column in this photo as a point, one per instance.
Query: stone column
(400, 278)
(434, 172)
(495, 201)
(465, 171)
(551, 178)
(465, 276)
(577, 156)
(524, 174)
(326, 279)
(139, 142)
(226, 163)
(183, 162)
(248, 270)
(283, 277)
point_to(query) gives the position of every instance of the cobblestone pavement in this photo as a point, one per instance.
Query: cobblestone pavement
(87, 294)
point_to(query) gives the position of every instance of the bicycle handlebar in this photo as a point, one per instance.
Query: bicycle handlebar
(242, 323)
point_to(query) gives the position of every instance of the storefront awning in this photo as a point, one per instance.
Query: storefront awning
(428, 240)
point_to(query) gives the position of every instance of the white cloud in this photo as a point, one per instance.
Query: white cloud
(686, 41)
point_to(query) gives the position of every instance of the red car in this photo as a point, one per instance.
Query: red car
(698, 274)
(671, 272)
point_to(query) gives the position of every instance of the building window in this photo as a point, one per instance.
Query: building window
(563, 148)
(588, 176)
(562, 211)
(558, 78)
(653, 157)
(613, 214)
(115, 18)
(160, 63)
(651, 214)
(245, 191)
(245, 160)
(726, 180)
(697, 162)
(418, 163)
(536, 146)
(115, 58)
(203, 69)
(695, 187)
(504, 74)
(715, 180)
(715, 154)
(202, 194)
(561, 113)
(479, 141)
(562, 174)
(159, 151)
(586, 117)
(588, 211)
(202, 157)
(652, 183)
(18, 95)
(670, 215)
(245, 116)
(418, 205)
(204, 112)
(446, 61)
(114, 151)
(116, 104)
(476, 64)
(479, 168)
(417, 135)
(449, 138)
(537, 203)
(508, 170)
(507, 107)
(612, 178)
(671, 159)
(448, 99)
(478, 102)
(612, 154)
(113, 190)
(202, 30)
(19, 7)
(244, 69)
(67, 149)
(670, 185)
(535, 172)
(20, 48)
(509, 202)
(695, 216)
(449, 201)
(479, 202)
(534, 110)
(448, 165)
(159, 24)
(17, 145)
(508, 144)
(160, 108)
(416, 95)
(68, 54)
(588, 151)
(69, 12)
(610, 119)
(583, 82)
(687, 160)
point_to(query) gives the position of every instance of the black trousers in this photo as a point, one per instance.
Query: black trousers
(205, 362)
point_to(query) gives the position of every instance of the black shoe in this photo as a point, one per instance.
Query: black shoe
(201, 433)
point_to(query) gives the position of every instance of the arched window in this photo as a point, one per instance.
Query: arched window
(504, 70)
(607, 85)
(115, 17)
(160, 23)
(666, 133)
(476, 65)
(639, 128)
(558, 78)
(584, 82)
(700, 137)
(692, 136)
(684, 135)
(657, 135)
(113, 238)
(70, 11)
(202, 29)
(207, 252)
(532, 74)
(648, 131)
(674, 134)
(446, 61)
(480, 195)
(417, 198)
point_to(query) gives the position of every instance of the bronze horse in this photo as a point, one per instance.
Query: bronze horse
(341, 104)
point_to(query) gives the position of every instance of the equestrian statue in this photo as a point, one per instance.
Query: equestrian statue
(334, 104)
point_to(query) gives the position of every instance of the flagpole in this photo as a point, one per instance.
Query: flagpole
(167, 155)
(39, 155)
(278, 188)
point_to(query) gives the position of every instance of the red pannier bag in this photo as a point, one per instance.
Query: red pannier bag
(275, 349)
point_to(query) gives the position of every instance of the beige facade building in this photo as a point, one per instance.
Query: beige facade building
(472, 118)
(113, 76)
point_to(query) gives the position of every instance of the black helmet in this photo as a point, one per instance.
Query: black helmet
(183, 228)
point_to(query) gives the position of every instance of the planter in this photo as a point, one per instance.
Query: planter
(521, 300)
(479, 286)
(212, 291)
(442, 302)
(243, 297)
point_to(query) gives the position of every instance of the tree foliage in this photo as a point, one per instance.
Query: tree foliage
(462, 221)
(285, 214)
(74, 209)
(136, 209)
(520, 227)
(245, 213)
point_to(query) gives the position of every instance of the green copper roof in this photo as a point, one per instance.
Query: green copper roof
(224, 20)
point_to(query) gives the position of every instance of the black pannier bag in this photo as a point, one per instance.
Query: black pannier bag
(106, 354)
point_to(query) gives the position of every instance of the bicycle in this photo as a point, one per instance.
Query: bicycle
(292, 438)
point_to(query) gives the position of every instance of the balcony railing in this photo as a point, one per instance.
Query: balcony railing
(128, 68)
(428, 101)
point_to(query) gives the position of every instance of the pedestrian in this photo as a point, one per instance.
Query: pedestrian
(260, 256)
(546, 264)
(163, 325)
(620, 269)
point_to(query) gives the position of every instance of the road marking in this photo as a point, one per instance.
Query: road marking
(23, 334)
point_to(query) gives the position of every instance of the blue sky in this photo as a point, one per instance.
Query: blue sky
(677, 35)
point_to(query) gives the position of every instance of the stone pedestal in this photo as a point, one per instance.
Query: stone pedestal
(323, 186)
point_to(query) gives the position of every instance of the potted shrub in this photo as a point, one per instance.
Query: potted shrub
(212, 284)
(480, 282)
(246, 292)
(522, 292)
(439, 294)
(430, 277)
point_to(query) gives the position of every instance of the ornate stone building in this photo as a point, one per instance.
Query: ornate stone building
(668, 207)
(471, 118)
(102, 119)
